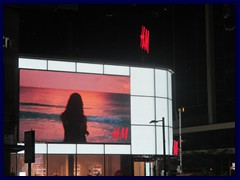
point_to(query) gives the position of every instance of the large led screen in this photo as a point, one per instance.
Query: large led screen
(44, 96)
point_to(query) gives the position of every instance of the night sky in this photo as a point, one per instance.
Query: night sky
(106, 32)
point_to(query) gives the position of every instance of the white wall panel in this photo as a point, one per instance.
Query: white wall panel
(61, 148)
(90, 68)
(117, 149)
(116, 70)
(90, 148)
(40, 148)
(160, 140)
(171, 141)
(62, 66)
(169, 85)
(142, 110)
(143, 140)
(162, 110)
(32, 63)
(161, 83)
(170, 113)
(142, 81)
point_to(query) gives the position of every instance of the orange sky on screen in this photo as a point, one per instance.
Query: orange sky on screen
(75, 81)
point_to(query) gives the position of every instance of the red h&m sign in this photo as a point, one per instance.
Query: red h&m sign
(144, 39)
(175, 147)
(120, 133)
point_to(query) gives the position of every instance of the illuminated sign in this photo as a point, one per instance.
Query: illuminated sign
(144, 39)
(44, 96)
(175, 147)
(120, 134)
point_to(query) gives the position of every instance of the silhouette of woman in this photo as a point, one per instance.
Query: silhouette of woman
(74, 121)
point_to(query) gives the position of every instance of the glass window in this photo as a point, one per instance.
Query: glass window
(113, 165)
(90, 165)
(58, 165)
(39, 168)
(20, 168)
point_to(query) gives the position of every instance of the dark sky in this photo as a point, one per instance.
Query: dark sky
(97, 31)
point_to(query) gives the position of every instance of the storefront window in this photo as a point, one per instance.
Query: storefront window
(58, 165)
(112, 164)
(69, 165)
(20, 168)
(39, 168)
(90, 165)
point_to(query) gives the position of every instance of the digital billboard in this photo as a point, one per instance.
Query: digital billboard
(44, 96)
(118, 101)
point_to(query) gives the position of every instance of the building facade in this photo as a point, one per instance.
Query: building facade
(116, 141)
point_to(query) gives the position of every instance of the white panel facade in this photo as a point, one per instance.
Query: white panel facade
(61, 148)
(161, 83)
(170, 113)
(90, 149)
(62, 66)
(169, 85)
(40, 148)
(90, 68)
(143, 140)
(116, 70)
(117, 149)
(142, 110)
(170, 141)
(142, 81)
(32, 63)
(160, 140)
(162, 110)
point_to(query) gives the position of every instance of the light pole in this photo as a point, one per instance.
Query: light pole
(180, 110)
(164, 149)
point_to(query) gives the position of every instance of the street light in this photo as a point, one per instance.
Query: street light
(180, 110)
(164, 149)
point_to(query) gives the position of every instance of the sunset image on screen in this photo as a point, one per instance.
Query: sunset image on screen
(44, 96)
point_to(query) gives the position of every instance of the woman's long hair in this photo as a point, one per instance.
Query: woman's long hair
(74, 109)
(75, 104)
